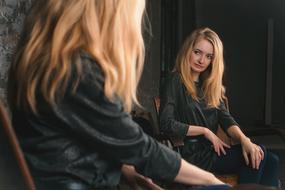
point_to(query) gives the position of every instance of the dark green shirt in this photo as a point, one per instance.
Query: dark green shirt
(179, 110)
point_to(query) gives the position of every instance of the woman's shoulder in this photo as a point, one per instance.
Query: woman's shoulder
(172, 83)
(90, 66)
(89, 63)
(174, 78)
(86, 72)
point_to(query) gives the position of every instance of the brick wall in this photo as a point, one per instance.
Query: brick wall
(12, 14)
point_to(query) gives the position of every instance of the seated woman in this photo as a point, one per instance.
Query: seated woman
(192, 108)
(71, 88)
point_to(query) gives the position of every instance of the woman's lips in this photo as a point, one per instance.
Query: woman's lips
(198, 66)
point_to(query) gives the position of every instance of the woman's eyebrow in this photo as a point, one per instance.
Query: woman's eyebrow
(203, 51)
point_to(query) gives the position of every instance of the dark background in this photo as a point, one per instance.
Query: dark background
(243, 27)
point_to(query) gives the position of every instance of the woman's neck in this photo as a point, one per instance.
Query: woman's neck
(195, 76)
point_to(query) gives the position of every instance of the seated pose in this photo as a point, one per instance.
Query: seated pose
(192, 108)
(71, 88)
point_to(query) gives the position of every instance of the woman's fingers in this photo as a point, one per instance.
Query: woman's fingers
(245, 157)
(256, 154)
(253, 159)
(260, 155)
(223, 150)
(261, 152)
(148, 183)
(219, 147)
(225, 144)
(258, 162)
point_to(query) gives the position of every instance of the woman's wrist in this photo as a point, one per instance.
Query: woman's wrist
(194, 130)
(244, 140)
(206, 131)
(214, 180)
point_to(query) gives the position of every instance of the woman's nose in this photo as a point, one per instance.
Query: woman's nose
(202, 58)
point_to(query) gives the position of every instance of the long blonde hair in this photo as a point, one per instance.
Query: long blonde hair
(212, 77)
(54, 33)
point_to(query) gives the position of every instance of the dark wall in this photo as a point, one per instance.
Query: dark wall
(149, 84)
(242, 25)
(178, 20)
(243, 28)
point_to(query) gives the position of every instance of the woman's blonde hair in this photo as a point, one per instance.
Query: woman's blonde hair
(54, 33)
(212, 77)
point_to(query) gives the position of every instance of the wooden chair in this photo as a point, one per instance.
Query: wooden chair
(229, 178)
(9, 131)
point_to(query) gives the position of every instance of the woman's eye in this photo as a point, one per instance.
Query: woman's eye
(210, 57)
(197, 52)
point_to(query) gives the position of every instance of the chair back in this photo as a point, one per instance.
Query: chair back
(156, 101)
(11, 135)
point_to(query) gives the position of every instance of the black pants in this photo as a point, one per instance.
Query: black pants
(234, 162)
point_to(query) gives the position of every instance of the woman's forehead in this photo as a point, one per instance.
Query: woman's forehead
(204, 45)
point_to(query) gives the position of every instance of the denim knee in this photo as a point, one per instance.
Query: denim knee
(264, 149)
(273, 159)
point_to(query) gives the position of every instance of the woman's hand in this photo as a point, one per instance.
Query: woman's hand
(138, 181)
(254, 151)
(218, 144)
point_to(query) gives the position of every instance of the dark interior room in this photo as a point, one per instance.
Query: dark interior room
(252, 32)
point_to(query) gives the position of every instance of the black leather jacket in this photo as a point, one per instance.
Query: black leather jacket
(87, 138)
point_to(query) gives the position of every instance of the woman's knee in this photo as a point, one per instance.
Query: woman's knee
(272, 159)
(264, 149)
(265, 152)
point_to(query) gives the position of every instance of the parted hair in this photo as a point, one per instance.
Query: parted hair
(212, 77)
(54, 33)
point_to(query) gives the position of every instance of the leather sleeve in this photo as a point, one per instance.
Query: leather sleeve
(225, 118)
(103, 124)
(168, 112)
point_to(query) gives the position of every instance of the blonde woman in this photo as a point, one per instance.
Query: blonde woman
(71, 87)
(192, 108)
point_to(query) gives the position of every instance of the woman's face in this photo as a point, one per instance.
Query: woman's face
(201, 56)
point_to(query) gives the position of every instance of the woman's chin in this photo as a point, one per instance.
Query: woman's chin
(197, 70)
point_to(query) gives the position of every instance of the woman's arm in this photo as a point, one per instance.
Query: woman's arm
(218, 144)
(103, 125)
(235, 132)
(138, 181)
(190, 174)
(251, 152)
(169, 109)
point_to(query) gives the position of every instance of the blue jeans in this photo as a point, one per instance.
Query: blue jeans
(233, 162)
(213, 187)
